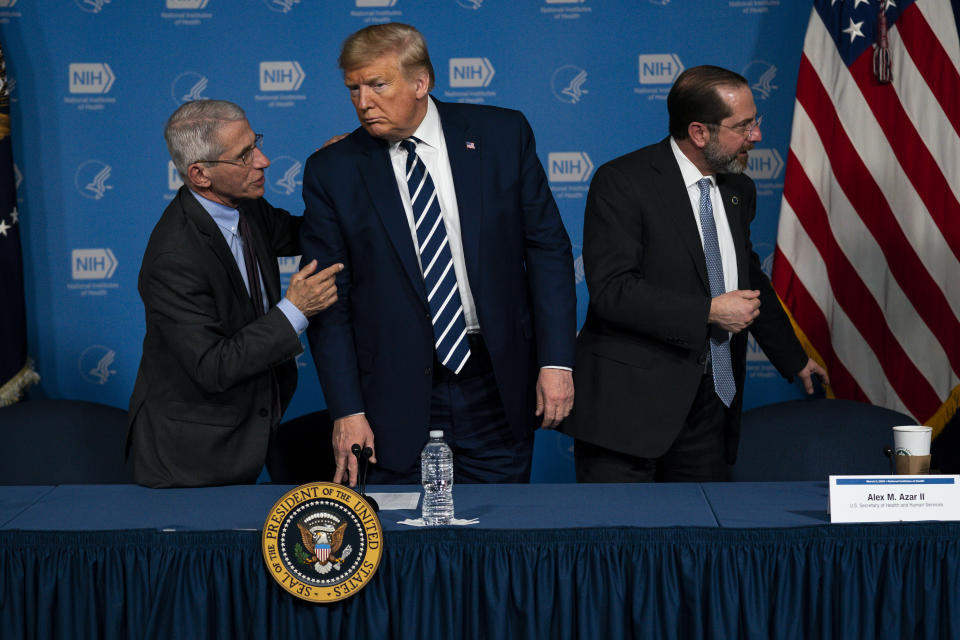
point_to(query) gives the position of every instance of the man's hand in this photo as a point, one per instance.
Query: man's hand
(554, 396)
(347, 432)
(335, 139)
(806, 373)
(735, 310)
(313, 293)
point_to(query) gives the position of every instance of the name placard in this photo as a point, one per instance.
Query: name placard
(894, 498)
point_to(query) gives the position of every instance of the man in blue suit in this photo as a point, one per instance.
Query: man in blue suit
(456, 306)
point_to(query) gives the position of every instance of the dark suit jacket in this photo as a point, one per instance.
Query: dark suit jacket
(374, 347)
(641, 352)
(203, 404)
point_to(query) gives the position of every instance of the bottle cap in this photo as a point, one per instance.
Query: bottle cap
(436, 433)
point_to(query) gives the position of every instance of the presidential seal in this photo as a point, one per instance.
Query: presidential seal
(322, 542)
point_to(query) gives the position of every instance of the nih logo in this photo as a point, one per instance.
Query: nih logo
(90, 77)
(92, 264)
(764, 164)
(174, 181)
(284, 75)
(189, 5)
(569, 166)
(659, 68)
(470, 72)
(288, 265)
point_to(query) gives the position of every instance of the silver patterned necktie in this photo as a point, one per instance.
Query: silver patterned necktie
(723, 381)
(436, 260)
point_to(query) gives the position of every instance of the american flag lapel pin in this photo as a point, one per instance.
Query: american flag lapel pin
(471, 146)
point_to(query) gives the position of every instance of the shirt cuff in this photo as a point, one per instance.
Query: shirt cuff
(553, 366)
(296, 318)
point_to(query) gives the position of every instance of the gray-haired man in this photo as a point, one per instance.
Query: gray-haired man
(218, 365)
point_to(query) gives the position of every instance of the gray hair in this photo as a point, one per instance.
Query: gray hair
(192, 132)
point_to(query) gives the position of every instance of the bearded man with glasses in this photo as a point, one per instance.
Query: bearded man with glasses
(218, 367)
(674, 288)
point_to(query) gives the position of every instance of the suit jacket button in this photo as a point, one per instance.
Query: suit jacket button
(263, 413)
(428, 371)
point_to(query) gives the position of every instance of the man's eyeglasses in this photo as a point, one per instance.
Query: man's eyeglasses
(744, 129)
(245, 157)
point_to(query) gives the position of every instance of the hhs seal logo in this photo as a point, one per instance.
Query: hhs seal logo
(188, 86)
(567, 83)
(760, 75)
(95, 363)
(91, 179)
(283, 173)
(322, 542)
(91, 6)
(281, 6)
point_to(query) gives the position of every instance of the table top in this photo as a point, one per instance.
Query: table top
(529, 506)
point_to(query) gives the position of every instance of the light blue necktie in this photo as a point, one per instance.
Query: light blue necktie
(443, 296)
(723, 381)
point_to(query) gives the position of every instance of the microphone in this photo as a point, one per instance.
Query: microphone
(363, 455)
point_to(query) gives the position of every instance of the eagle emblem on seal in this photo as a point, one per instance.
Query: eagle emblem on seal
(324, 541)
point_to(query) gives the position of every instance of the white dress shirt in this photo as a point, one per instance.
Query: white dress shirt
(728, 253)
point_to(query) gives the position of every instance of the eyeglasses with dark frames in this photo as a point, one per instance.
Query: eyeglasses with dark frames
(245, 157)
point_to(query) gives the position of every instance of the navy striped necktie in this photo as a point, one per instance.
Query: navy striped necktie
(723, 381)
(436, 262)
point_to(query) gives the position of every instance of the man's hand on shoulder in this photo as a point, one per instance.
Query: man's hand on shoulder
(348, 431)
(313, 293)
(554, 396)
(334, 140)
(735, 310)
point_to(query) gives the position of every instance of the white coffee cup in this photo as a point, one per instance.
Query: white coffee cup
(912, 440)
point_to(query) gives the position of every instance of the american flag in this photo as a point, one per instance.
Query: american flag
(16, 369)
(868, 247)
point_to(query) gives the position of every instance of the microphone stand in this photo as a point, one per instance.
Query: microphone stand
(363, 464)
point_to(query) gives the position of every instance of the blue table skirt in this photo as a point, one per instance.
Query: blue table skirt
(844, 581)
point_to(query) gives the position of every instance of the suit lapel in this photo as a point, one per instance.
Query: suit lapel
(677, 201)
(733, 207)
(209, 230)
(466, 166)
(384, 193)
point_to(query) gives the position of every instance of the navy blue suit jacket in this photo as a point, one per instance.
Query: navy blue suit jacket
(374, 348)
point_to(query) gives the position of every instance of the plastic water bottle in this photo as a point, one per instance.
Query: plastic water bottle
(436, 473)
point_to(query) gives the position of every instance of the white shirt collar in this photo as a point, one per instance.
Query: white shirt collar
(691, 175)
(429, 131)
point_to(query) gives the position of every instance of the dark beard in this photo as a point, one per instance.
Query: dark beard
(722, 162)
